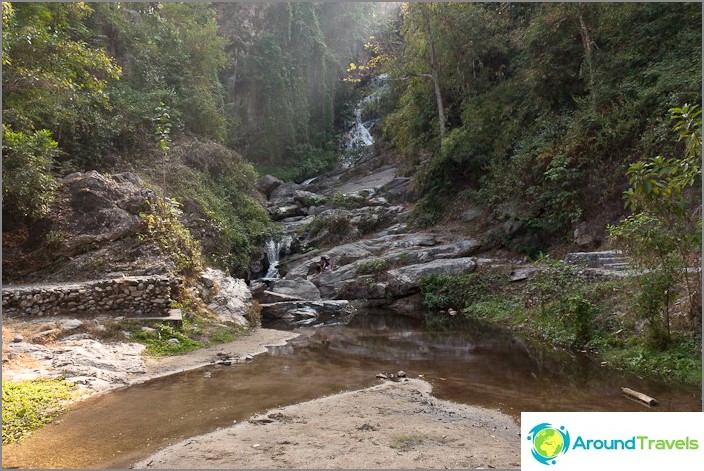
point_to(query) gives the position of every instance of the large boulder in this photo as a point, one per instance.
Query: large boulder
(267, 184)
(300, 289)
(405, 280)
(227, 297)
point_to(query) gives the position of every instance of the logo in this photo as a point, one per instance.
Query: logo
(548, 442)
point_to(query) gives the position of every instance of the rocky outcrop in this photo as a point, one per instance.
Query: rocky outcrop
(92, 231)
(299, 289)
(86, 362)
(227, 297)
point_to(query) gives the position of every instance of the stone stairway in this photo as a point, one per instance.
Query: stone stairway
(614, 260)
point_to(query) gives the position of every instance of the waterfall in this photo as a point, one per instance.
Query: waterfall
(274, 251)
(359, 136)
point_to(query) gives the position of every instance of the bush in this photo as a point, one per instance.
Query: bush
(157, 341)
(28, 188)
(372, 267)
(165, 228)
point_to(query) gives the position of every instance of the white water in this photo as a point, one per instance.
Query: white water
(273, 253)
(359, 136)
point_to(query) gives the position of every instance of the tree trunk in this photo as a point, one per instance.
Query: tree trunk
(434, 74)
(588, 53)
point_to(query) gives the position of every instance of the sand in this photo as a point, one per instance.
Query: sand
(392, 425)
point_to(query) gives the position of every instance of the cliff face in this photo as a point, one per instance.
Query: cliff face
(93, 230)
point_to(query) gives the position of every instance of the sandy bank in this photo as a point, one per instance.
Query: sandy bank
(252, 343)
(393, 425)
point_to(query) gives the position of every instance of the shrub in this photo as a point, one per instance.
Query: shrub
(165, 228)
(372, 267)
(28, 188)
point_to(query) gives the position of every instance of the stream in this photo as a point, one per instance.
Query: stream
(478, 365)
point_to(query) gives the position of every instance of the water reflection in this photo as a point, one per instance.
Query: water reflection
(479, 365)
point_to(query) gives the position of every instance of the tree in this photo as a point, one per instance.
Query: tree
(53, 78)
(664, 233)
(28, 188)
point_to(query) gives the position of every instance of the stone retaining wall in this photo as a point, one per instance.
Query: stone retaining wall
(137, 296)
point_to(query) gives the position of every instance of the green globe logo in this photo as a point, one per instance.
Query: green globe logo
(548, 442)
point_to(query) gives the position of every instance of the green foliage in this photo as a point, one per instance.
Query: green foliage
(157, 341)
(557, 307)
(53, 76)
(342, 201)
(547, 104)
(164, 227)
(446, 291)
(28, 405)
(217, 186)
(306, 161)
(375, 266)
(664, 233)
(332, 228)
(682, 361)
(28, 188)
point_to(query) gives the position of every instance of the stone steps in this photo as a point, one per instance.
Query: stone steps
(174, 315)
(609, 260)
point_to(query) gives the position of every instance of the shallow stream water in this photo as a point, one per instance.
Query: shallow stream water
(478, 366)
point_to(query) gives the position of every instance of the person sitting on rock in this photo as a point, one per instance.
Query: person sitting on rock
(324, 264)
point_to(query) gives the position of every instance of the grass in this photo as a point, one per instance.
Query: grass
(28, 405)
(564, 311)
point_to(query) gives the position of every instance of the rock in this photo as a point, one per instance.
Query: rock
(305, 309)
(404, 280)
(74, 337)
(18, 338)
(174, 341)
(587, 235)
(267, 184)
(269, 297)
(45, 336)
(86, 201)
(282, 212)
(401, 374)
(521, 274)
(306, 198)
(381, 376)
(148, 330)
(127, 177)
(228, 298)
(257, 288)
(301, 289)
(409, 306)
(71, 324)
(472, 214)
(284, 192)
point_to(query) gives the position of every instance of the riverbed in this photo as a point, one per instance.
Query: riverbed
(479, 366)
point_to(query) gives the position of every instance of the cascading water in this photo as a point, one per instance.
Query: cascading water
(274, 251)
(359, 136)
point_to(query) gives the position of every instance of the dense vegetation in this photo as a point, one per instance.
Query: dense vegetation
(546, 115)
(167, 90)
(537, 110)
